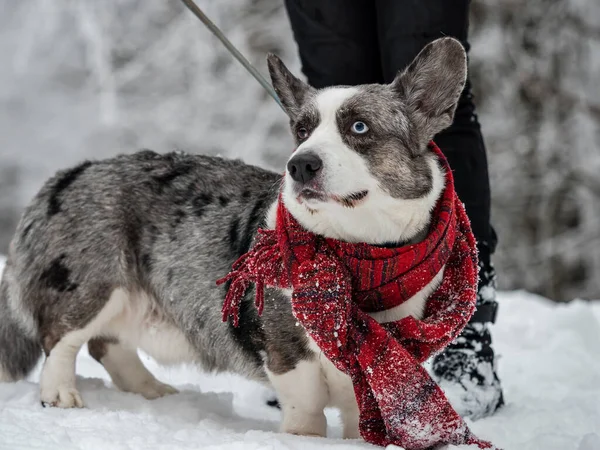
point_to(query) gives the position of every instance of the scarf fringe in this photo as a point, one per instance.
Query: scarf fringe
(245, 273)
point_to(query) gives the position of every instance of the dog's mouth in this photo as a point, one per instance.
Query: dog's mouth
(308, 194)
(349, 201)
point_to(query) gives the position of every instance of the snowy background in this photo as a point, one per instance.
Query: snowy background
(90, 79)
(549, 365)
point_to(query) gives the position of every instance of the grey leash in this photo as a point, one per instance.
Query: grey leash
(232, 49)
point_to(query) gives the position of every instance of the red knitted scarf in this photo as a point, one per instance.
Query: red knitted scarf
(336, 284)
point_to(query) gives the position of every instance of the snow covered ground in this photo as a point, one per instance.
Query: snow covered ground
(550, 366)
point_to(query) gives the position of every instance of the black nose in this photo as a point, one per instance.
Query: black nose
(304, 167)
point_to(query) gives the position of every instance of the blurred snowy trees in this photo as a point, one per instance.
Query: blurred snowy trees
(536, 68)
(89, 79)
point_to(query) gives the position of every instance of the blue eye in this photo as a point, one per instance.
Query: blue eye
(359, 127)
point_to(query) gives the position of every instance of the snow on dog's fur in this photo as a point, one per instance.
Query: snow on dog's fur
(123, 253)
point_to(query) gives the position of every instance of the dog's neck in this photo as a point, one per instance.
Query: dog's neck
(383, 220)
(420, 236)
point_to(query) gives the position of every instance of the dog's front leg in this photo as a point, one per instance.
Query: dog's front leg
(303, 395)
(350, 419)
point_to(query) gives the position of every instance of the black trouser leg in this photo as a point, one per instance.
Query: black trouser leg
(368, 41)
(337, 41)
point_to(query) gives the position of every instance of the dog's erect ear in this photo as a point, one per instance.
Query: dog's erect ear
(291, 91)
(431, 86)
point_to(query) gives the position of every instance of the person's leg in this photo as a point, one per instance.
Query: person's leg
(337, 41)
(404, 28)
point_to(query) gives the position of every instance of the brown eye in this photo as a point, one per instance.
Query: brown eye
(302, 133)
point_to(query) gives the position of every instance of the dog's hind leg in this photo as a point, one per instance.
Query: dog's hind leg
(63, 341)
(126, 369)
(57, 382)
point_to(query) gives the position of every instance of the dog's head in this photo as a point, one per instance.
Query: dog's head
(362, 171)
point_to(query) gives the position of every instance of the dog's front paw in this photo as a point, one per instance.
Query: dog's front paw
(351, 433)
(61, 397)
(294, 422)
(300, 433)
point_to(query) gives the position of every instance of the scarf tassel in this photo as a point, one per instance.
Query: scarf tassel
(244, 274)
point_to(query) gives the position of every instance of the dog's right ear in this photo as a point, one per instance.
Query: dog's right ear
(291, 91)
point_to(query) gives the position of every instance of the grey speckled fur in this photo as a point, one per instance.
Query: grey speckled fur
(166, 224)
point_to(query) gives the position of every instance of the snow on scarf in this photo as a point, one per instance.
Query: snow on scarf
(336, 284)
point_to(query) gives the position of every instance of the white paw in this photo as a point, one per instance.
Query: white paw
(307, 434)
(61, 397)
(153, 388)
(304, 424)
(351, 433)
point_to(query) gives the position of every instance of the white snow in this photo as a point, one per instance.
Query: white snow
(550, 367)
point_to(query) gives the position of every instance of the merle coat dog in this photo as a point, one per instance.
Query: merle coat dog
(123, 254)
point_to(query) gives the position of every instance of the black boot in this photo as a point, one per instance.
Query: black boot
(466, 369)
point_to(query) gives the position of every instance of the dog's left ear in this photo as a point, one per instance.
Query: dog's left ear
(431, 87)
(291, 91)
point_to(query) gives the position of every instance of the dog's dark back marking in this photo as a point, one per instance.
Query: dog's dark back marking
(132, 234)
(200, 203)
(183, 196)
(255, 220)
(179, 216)
(26, 230)
(152, 233)
(144, 155)
(177, 169)
(66, 179)
(146, 262)
(234, 236)
(249, 334)
(223, 201)
(56, 276)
